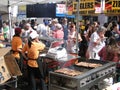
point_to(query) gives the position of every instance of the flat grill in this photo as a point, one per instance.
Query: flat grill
(88, 78)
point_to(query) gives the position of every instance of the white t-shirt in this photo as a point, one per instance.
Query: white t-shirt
(94, 37)
(94, 49)
(27, 32)
(43, 30)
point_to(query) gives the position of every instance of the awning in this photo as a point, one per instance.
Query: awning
(65, 15)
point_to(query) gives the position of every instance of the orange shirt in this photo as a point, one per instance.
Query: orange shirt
(16, 44)
(33, 52)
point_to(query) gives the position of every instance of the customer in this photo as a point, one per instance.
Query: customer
(58, 34)
(72, 35)
(110, 53)
(33, 47)
(6, 31)
(97, 42)
(115, 30)
(27, 30)
(65, 30)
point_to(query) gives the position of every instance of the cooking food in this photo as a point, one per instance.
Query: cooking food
(87, 64)
(94, 65)
(68, 71)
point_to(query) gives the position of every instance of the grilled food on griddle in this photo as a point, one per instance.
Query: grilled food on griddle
(68, 71)
(87, 64)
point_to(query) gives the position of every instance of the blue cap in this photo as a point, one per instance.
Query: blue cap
(46, 22)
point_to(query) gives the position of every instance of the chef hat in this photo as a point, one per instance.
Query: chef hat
(33, 35)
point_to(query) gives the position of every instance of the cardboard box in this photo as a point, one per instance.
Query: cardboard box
(8, 65)
(4, 73)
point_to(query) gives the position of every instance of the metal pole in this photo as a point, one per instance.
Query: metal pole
(66, 8)
(10, 25)
(77, 25)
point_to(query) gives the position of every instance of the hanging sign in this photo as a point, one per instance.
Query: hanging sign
(86, 6)
(60, 9)
(112, 7)
(98, 8)
(115, 4)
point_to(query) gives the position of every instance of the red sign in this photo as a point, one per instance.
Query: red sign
(108, 5)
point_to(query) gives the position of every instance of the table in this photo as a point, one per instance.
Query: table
(69, 60)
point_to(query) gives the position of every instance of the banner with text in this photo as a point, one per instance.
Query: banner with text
(112, 7)
(86, 7)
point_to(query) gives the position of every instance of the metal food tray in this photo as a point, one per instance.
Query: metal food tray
(88, 78)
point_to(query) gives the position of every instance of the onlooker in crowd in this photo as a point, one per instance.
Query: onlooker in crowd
(27, 30)
(33, 47)
(72, 35)
(35, 24)
(87, 24)
(89, 32)
(58, 34)
(1, 35)
(111, 52)
(115, 30)
(44, 29)
(82, 27)
(65, 30)
(32, 24)
(22, 23)
(53, 23)
(6, 31)
(83, 47)
(96, 25)
(97, 42)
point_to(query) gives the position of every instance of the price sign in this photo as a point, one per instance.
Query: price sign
(116, 4)
(112, 7)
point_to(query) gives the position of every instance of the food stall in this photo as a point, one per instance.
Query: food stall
(70, 72)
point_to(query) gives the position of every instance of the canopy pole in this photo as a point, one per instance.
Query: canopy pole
(77, 25)
(10, 24)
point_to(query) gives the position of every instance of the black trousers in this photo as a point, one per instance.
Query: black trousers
(34, 73)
